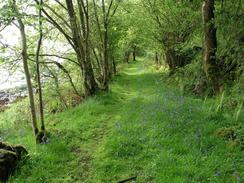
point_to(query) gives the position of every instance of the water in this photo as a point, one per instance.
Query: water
(11, 80)
(12, 86)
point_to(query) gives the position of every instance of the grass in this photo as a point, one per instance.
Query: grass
(142, 128)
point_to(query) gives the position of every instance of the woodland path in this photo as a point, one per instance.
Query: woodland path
(143, 127)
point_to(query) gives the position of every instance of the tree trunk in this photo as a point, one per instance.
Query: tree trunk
(106, 62)
(170, 59)
(105, 47)
(81, 43)
(38, 69)
(127, 57)
(114, 67)
(134, 53)
(157, 59)
(210, 44)
(26, 69)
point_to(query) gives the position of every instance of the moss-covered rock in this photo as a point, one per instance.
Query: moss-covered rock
(8, 162)
(9, 157)
(18, 149)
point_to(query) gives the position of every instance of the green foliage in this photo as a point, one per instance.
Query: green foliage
(6, 14)
(131, 27)
(230, 47)
(178, 28)
(12, 118)
(175, 22)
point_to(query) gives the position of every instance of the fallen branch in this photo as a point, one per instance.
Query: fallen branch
(127, 180)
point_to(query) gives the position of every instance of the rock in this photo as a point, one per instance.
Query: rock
(4, 101)
(8, 162)
(18, 149)
(2, 108)
(9, 96)
(4, 98)
(9, 158)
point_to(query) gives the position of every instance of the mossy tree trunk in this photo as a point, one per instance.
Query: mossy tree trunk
(80, 37)
(210, 44)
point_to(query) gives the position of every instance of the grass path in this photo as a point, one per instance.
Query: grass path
(142, 128)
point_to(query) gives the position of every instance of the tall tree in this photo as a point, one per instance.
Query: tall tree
(38, 67)
(39, 134)
(80, 36)
(210, 44)
(108, 10)
(21, 27)
(175, 24)
(77, 33)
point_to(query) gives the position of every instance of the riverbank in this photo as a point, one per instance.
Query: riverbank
(9, 96)
(12, 86)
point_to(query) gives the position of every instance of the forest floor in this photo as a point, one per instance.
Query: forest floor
(143, 127)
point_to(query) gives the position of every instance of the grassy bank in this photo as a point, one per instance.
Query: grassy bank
(142, 127)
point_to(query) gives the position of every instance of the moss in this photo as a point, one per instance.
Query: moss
(18, 149)
(232, 144)
(9, 157)
(226, 133)
(6, 146)
(234, 135)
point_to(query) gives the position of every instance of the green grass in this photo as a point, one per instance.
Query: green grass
(142, 127)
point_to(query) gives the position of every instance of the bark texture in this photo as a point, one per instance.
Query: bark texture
(80, 38)
(210, 44)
